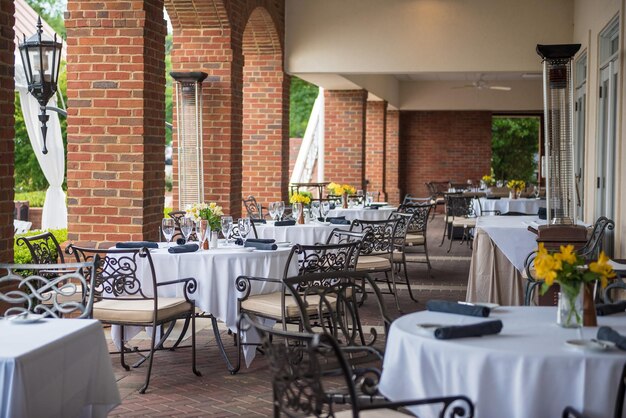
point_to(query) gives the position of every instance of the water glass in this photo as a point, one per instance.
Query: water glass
(324, 209)
(202, 231)
(369, 198)
(273, 209)
(315, 210)
(296, 210)
(227, 227)
(244, 228)
(186, 227)
(280, 209)
(168, 226)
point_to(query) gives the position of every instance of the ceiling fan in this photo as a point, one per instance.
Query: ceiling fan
(482, 84)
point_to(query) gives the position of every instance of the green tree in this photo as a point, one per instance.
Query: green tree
(301, 101)
(514, 145)
(52, 12)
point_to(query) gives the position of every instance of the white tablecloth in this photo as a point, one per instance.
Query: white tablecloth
(527, 371)
(511, 235)
(351, 214)
(504, 205)
(55, 368)
(306, 234)
(216, 271)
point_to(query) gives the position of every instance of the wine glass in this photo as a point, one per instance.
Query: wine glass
(168, 226)
(315, 210)
(324, 209)
(280, 209)
(227, 227)
(369, 198)
(296, 209)
(272, 208)
(244, 228)
(186, 226)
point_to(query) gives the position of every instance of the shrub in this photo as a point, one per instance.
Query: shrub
(35, 199)
(21, 255)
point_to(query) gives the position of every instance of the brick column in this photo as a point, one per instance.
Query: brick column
(116, 132)
(392, 157)
(7, 133)
(344, 136)
(375, 147)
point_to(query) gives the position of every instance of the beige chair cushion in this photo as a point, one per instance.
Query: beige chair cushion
(372, 413)
(139, 311)
(75, 297)
(397, 257)
(372, 262)
(415, 239)
(468, 222)
(269, 305)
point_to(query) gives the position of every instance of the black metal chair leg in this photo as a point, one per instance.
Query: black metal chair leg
(150, 361)
(182, 333)
(193, 343)
(406, 278)
(395, 290)
(220, 344)
(124, 365)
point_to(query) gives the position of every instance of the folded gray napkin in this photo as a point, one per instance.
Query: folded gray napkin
(260, 245)
(261, 240)
(372, 207)
(611, 308)
(258, 221)
(609, 334)
(137, 244)
(332, 218)
(465, 331)
(285, 223)
(457, 308)
(186, 248)
(339, 222)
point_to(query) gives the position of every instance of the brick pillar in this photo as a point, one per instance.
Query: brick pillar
(375, 147)
(265, 128)
(116, 132)
(7, 133)
(392, 156)
(344, 136)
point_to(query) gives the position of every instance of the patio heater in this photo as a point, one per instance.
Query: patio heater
(189, 134)
(558, 99)
(41, 58)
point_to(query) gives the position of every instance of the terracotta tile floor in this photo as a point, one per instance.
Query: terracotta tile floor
(176, 392)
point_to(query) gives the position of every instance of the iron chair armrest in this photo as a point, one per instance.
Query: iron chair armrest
(570, 412)
(243, 285)
(447, 401)
(191, 285)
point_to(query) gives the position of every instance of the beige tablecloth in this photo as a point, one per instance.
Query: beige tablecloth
(492, 277)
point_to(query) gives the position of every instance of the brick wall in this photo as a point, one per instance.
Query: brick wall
(442, 146)
(116, 86)
(392, 156)
(344, 136)
(6, 129)
(375, 161)
(209, 37)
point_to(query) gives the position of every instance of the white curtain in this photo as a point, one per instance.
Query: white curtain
(53, 163)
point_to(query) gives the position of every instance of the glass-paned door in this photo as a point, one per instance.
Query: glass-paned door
(580, 112)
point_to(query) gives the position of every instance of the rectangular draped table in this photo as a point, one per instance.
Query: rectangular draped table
(55, 368)
(528, 370)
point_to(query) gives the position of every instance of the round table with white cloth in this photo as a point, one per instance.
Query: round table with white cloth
(305, 234)
(506, 205)
(527, 370)
(365, 214)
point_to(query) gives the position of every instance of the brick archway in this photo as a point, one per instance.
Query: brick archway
(265, 111)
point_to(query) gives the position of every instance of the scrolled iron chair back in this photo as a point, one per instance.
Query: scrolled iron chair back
(401, 228)
(253, 209)
(48, 289)
(420, 212)
(321, 258)
(379, 236)
(592, 247)
(117, 272)
(44, 248)
(461, 206)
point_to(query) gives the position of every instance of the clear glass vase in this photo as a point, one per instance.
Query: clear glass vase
(570, 309)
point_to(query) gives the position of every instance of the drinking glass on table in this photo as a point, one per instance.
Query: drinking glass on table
(168, 226)
(186, 227)
(369, 198)
(296, 210)
(273, 209)
(244, 228)
(324, 209)
(202, 231)
(280, 209)
(315, 210)
(227, 227)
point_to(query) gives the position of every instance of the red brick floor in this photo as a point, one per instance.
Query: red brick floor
(176, 392)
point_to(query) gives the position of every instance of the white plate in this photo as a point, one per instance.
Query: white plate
(27, 318)
(491, 306)
(237, 249)
(283, 244)
(427, 330)
(588, 345)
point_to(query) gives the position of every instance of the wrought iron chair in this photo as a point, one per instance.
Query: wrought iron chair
(44, 248)
(124, 289)
(570, 412)
(416, 235)
(592, 247)
(51, 290)
(177, 215)
(377, 250)
(399, 243)
(280, 306)
(299, 364)
(253, 208)
(461, 214)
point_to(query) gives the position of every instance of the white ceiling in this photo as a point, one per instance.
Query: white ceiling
(467, 76)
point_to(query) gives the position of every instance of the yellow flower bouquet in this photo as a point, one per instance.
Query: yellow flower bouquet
(568, 269)
(210, 212)
(516, 185)
(488, 180)
(340, 189)
(300, 197)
